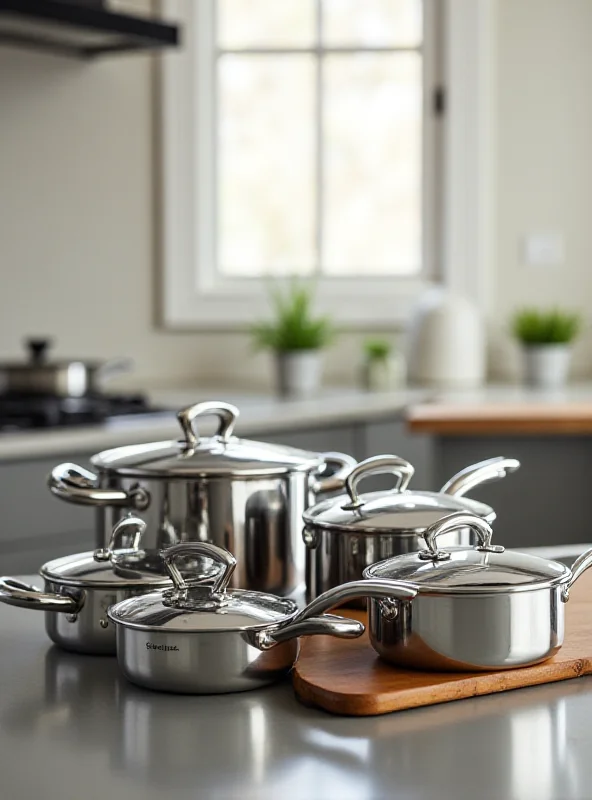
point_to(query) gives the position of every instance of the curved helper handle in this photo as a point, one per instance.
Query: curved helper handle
(17, 593)
(377, 465)
(580, 565)
(308, 622)
(79, 486)
(131, 526)
(454, 522)
(226, 413)
(336, 481)
(193, 549)
(493, 469)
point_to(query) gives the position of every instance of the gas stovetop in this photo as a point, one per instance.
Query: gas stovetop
(26, 412)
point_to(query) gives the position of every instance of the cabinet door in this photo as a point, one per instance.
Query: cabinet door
(34, 521)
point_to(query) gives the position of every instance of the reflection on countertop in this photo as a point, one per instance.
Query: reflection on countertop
(71, 726)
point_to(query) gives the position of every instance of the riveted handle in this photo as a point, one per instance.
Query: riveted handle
(580, 565)
(493, 469)
(79, 486)
(336, 480)
(453, 522)
(131, 526)
(226, 412)
(191, 550)
(23, 595)
(377, 465)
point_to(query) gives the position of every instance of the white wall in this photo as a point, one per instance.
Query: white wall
(77, 218)
(544, 163)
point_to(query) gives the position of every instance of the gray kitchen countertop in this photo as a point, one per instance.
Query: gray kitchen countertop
(71, 728)
(263, 414)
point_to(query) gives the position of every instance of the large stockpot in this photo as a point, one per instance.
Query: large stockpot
(80, 588)
(470, 608)
(200, 639)
(245, 496)
(346, 534)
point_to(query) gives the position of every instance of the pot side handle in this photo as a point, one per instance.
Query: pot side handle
(336, 481)
(76, 485)
(311, 620)
(17, 593)
(493, 469)
(326, 624)
(580, 565)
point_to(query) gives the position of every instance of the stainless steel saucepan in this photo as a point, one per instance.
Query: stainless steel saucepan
(80, 588)
(346, 534)
(213, 639)
(243, 495)
(470, 608)
(66, 377)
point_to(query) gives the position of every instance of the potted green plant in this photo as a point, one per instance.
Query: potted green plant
(546, 337)
(296, 336)
(383, 367)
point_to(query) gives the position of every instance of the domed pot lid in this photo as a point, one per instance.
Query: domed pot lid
(198, 456)
(119, 567)
(192, 608)
(483, 569)
(399, 510)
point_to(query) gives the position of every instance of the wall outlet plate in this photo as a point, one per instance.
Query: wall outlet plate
(543, 249)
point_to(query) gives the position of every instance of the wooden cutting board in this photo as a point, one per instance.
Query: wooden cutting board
(347, 677)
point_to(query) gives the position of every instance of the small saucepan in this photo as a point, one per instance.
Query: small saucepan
(470, 608)
(80, 588)
(213, 639)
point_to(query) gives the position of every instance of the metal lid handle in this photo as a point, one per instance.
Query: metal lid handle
(131, 526)
(377, 465)
(192, 549)
(226, 412)
(452, 522)
(493, 469)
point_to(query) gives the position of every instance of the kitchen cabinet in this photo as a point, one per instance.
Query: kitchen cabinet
(35, 525)
(545, 501)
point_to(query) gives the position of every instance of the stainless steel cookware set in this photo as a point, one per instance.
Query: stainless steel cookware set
(193, 596)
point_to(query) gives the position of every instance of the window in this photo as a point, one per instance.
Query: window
(318, 134)
(301, 138)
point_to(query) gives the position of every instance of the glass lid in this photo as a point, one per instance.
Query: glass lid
(486, 568)
(195, 456)
(118, 566)
(399, 510)
(192, 608)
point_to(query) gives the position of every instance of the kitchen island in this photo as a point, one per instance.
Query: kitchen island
(72, 729)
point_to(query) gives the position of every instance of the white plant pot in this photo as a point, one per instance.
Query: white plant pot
(546, 366)
(384, 374)
(299, 373)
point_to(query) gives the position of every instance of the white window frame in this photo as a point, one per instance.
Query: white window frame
(196, 296)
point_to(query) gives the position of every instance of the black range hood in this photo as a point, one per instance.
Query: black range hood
(82, 28)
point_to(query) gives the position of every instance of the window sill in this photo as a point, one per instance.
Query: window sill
(359, 303)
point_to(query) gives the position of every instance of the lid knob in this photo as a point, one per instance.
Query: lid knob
(38, 349)
(377, 465)
(214, 593)
(226, 412)
(453, 522)
(131, 526)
